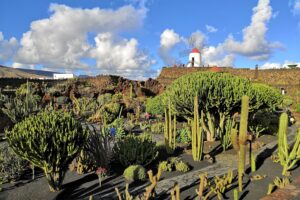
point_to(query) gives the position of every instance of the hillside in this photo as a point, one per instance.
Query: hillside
(8, 72)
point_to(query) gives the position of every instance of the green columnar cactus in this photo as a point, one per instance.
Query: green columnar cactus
(243, 138)
(288, 157)
(49, 141)
(197, 133)
(169, 131)
(130, 91)
(235, 194)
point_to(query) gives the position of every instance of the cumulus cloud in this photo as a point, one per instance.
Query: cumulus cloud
(275, 65)
(211, 29)
(120, 57)
(7, 48)
(254, 44)
(168, 40)
(217, 56)
(296, 8)
(61, 41)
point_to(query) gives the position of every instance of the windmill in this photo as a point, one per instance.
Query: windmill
(192, 50)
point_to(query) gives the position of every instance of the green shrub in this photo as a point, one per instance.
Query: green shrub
(154, 105)
(50, 141)
(84, 106)
(182, 166)
(157, 128)
(135, 172)
(119, 127)
(165, 166)
(11, 165)
(104, 99)
(132, 150)
(174, 163)
(219, 97)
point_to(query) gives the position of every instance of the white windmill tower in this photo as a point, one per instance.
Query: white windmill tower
(195, 59)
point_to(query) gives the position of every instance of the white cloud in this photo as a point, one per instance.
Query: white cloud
(61, 41)
(296, 8)
(168, 40)
(269, 65)
(20, 65)
(274, 65)
(254, 44)
(197, 39)
(120, 57)
(7, 48)
(211, 29)
(217, 56)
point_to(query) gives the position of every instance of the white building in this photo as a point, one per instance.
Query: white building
(194, 58)
(291, 65)
(63, 76)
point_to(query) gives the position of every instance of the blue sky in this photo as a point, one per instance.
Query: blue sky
(136, 38)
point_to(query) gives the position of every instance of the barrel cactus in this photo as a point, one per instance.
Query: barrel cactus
(49, 140)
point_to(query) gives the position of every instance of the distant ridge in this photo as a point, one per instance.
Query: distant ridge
(9, 72)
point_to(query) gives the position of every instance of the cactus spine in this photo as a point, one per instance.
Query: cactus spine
(197, 133)
(169, 130)
(288, 158)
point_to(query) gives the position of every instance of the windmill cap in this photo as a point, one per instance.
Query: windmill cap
(195, 50)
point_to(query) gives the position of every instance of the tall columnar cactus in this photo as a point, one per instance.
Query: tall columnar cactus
(239, 140)
(49, 141)
(170, 130)
(197, 133)
(288, 157)
(130, 91)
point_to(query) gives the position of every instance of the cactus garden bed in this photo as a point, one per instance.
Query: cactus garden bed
(205, 131)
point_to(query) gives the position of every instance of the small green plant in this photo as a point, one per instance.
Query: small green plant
(220, 185)
(165, 166)
(174, 163)
(155, 105)
(182, 167)
(50, 141)
(135, 172)
(157, 128)
(133, 150)
(281, 182)
(184, 135)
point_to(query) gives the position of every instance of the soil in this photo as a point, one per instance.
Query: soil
(252, 189)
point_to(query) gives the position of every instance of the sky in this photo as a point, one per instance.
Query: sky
(136, 38)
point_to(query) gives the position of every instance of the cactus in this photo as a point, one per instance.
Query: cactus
(253, 162)
(239, 141)
(169, 130)
(288, 157)
(202, 185)
(281, 182)
(197, 133)
(175, 192)
(235, 194)
(49, 141)
(270, 188)
(130, 90)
